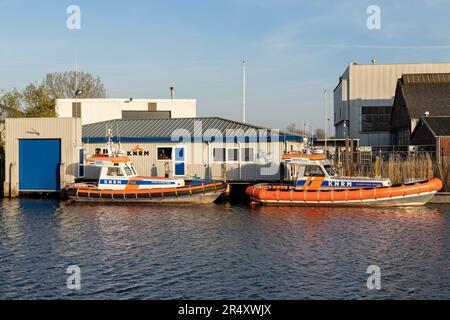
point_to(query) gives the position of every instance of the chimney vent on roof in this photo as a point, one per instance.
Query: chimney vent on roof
(172, 93)
(373, 61)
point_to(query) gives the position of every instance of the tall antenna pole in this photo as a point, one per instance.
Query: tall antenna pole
(243, 91)
(325, 117)
(76, 72)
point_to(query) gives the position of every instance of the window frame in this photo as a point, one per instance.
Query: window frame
(119, 169)
(224, 155)
(165, 147)
(238, 155)
(254, 155)
(81, 163)
(363, 128)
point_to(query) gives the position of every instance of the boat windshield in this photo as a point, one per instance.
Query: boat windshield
(129, 170)
(330, 170)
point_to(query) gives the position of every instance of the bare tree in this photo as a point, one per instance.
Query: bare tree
(320, 134)
(62, 85)
(293, 129)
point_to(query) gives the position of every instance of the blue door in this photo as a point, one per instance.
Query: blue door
(39, 164)
(179, 162)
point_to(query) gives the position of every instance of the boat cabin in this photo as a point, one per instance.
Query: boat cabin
(314, 172)
(119, 173)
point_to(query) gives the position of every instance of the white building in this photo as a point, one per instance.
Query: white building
(207, 148)
(97, 110)
(364, 97)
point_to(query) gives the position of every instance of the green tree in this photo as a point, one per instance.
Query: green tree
(10, 104)
(33, 101)
(62, 85)
(37, 102)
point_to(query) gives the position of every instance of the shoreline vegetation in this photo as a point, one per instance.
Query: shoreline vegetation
(400, 169)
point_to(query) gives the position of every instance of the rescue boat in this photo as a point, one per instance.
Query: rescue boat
(318, 184)
(120, 182)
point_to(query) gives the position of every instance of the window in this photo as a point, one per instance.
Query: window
(329, 169)
(152, 106)
(164, 153)
(232, 155)
(98, 151)
(114, 172)
(248, 154)
(81, 163)
(128, 171)
(76, 109)
(219, 154)
(375, 119)
(313, 171)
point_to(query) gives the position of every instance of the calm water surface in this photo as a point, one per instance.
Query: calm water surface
(221, 251)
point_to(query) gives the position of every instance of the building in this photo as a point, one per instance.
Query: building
(96, 110)
(364, 97)
(209, 148)
(41, 154)
(418, 95)
(45, 154)
(433, 131)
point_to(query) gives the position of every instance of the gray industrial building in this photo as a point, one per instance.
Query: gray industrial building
(364, 97)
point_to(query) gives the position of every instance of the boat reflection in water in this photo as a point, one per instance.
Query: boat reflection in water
(221, 251)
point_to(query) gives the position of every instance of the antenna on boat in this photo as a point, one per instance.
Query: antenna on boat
(118, 136)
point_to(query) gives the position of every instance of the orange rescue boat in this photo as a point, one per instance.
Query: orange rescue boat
(316, 183)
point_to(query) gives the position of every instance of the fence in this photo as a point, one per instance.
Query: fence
(399, 166)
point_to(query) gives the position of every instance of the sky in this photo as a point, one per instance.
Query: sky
(294, 50)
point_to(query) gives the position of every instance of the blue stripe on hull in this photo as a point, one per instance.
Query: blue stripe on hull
(136, 182)
(344, 184)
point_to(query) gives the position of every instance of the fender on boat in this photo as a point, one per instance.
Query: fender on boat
(285, 194)
(83, 192)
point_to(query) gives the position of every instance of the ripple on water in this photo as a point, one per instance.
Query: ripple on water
(221, 251)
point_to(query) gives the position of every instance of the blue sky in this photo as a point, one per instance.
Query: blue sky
(294, 49)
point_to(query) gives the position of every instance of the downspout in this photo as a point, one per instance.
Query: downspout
(11, 178)
(208, 157)
(239, 160)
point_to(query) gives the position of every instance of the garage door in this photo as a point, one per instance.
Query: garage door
(39, 164)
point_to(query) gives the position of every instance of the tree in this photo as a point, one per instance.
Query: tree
(293, 129)
(37, 102)
(33, 101)
(10, 104)
(62, 85)
(320, 134)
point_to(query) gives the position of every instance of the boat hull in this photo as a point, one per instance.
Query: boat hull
(415, 194)
(197, 193)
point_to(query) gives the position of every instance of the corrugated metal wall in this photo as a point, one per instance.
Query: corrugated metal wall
(198, 155)
(374, 85)
(66, 129)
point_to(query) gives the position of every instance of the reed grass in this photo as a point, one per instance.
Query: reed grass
(400, 168)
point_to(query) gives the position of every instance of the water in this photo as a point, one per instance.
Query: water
(221, 251)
